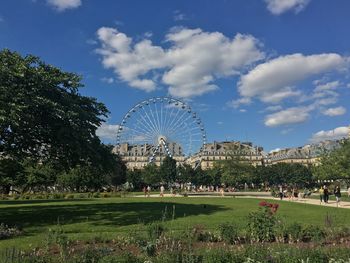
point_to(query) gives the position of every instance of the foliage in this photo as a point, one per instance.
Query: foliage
(167, 170)
(11, 173)
(42, 114)
(335, 164)
(155, 230)
(261, 225)
(236, 171)
(7, 232)
(134, 177)
(185, 173)
(48, 128)
(229, 232)
(151, 174)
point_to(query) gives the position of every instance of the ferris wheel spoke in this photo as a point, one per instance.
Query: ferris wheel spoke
(146, 124)
(150, 121)
(169, 118)
(177, 121)
(180, 122)
(156, 110)
(174, 118)
(133, 131)
(139, 125)
(189, 132)
(149, 133)
(161, 119)
(154, 119)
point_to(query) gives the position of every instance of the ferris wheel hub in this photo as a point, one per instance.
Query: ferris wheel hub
(162, 139)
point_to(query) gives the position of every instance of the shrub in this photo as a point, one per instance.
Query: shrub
(313, 233)
(16, 196)
(81, 195)
(229, 232)
(39, 197)
(96, 195)
(155, 230)
(69, 196)
(57, 196)
(261, 225)
(7, 232)
(106, 195)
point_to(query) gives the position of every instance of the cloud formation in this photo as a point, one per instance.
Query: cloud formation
(189, 67)
(274, 80)
(62, 5)
(288, 116)
(337, 133)
(278, 7)
(335, 111)
(107, 131)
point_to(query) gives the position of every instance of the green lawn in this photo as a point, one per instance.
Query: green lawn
(109, 217)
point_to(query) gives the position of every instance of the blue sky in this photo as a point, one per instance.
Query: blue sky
(274, 72)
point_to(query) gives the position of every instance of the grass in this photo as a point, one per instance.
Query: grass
(106, 218)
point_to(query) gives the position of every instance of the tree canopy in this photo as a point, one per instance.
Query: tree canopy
(48, 128)
(335, 164)
(42, 113)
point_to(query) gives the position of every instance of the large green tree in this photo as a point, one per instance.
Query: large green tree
(42, 114)
(335, 164)
(47, 128)
(168, 170)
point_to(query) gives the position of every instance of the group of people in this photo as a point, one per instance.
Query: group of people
(292, 193)
(324, 194)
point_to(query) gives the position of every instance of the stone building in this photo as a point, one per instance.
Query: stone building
(217, 151)
(138, 156)
(307, 155)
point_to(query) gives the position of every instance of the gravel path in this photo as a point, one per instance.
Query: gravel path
(262, 196)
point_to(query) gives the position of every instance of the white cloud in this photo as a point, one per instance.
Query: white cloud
(280, 95)
(242, 110)
(278, 7)
(107, 131)
(189, 67)
(107, 80)
(273, 80)
(288, 116)
(237, 103)
(274, 108)
(62, 5)
(327, 86)
(335, 111)
(337, 133)
(178, 16)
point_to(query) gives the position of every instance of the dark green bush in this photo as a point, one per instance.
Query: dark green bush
(8, 232)
(229, 232)
(261, 225)
(96, 195)
(69, 196)
(155, 230)
(313, 233)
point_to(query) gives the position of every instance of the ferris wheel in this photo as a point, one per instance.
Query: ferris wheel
(166, 125)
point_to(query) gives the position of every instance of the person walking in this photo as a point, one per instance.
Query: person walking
(337, 194)
(148, 191)
(280, 193)
(325, 194)
(162, 191)
(321, 192)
